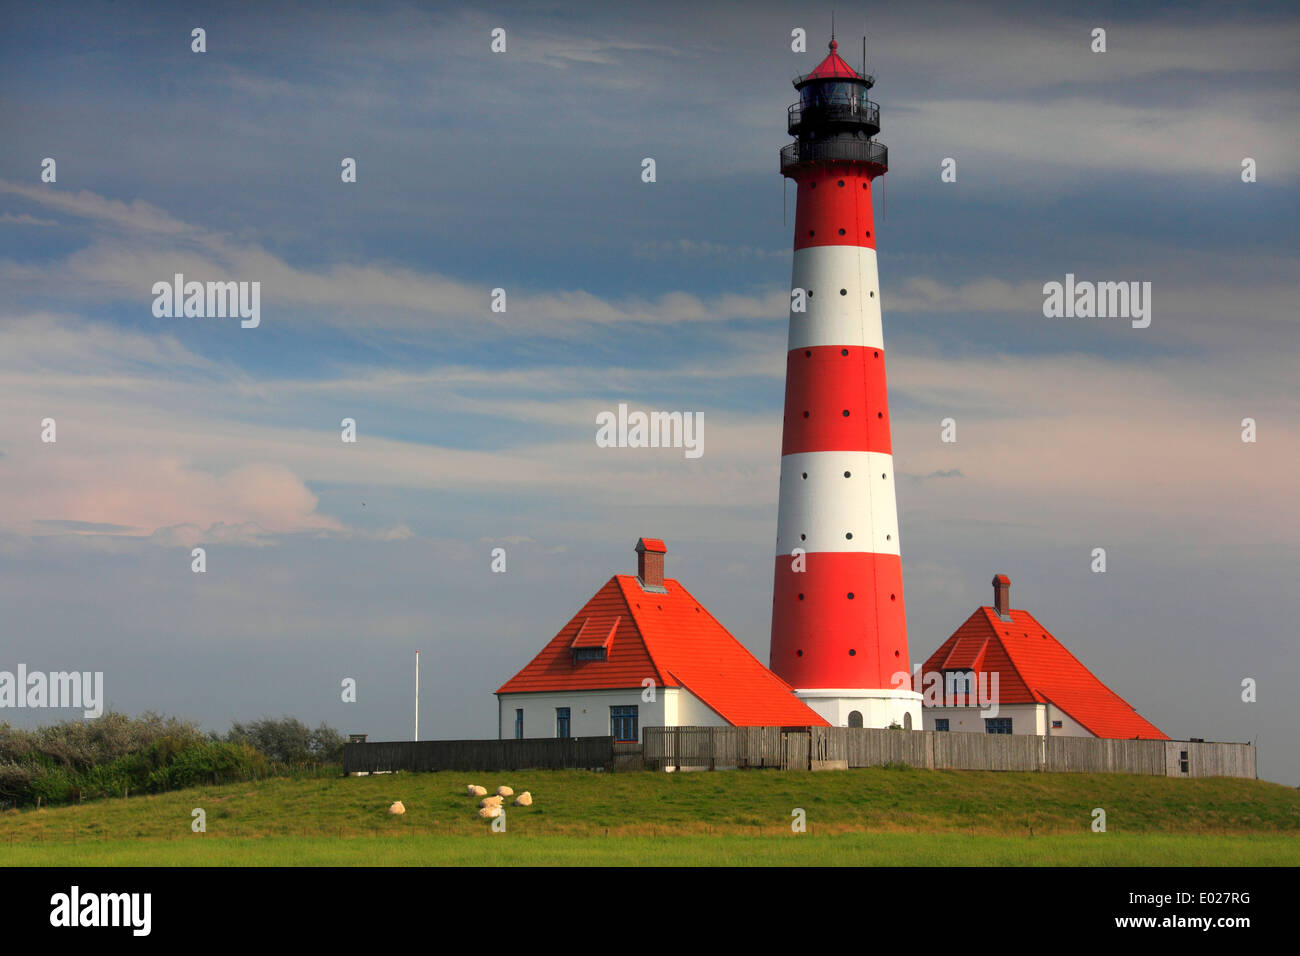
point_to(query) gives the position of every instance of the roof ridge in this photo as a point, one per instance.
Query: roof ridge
(989, 619)
(658, 668)
(777, 677)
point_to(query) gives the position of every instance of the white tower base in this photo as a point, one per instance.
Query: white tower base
(879, 707)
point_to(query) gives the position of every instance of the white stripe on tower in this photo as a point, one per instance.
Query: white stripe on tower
(830, 318)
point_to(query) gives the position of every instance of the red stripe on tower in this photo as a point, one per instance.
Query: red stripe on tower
(839, 632)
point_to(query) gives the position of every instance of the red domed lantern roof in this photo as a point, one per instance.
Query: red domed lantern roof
(833, 67)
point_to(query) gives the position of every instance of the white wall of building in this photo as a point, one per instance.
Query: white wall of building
(589, 711)
(879, 708)
(1025, 718)
(1069, 726)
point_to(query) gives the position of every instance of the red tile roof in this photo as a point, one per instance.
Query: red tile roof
(671, 639)
(1034, 667)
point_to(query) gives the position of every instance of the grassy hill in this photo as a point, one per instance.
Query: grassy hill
(858, 816)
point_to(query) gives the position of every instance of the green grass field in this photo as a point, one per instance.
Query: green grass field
(856, 817)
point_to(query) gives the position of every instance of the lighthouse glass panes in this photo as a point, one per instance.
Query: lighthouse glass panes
(839, 634)
(837, 94)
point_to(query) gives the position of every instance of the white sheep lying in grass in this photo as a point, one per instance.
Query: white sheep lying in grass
(491, 801)
(525, 799)
(397, 809)
(473, 790)
(504, 791)
(489, 813)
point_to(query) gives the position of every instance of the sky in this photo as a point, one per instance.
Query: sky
(522, 171)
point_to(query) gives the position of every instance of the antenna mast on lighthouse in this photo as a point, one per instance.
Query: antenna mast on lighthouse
(839, 633)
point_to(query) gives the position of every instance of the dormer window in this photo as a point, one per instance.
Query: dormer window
(593, 641)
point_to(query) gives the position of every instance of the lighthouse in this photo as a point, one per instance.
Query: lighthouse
(839, 631)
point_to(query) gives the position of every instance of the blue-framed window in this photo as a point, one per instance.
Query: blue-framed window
(562, 722)
(519, 723)
(959, 687)
(941, 723)
(623, 722)
(997, 725)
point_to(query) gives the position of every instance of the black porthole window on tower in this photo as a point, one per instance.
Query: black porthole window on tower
(850, 595)
(803, 537)
(812, 232)
(844, 291)
(846, 413)
(872, 293)
(805, 414)
(848, 474)
(848, 536)
(844, 351)
(798, 653)
(807, 353)
(841, 232)
(841, 182)
(805, 476)
(800, 597)
(852, 652)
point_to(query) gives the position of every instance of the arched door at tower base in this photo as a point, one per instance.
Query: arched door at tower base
(855, 718)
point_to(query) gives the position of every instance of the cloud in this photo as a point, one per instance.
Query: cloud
(24, 219)
(91, 526)
(348, 297)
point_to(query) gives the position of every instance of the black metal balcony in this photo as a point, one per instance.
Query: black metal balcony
(801, 79)
(848, 112)
(834, 150)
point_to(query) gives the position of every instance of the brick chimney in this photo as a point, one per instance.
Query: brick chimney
(1002, 596)
(650, 564)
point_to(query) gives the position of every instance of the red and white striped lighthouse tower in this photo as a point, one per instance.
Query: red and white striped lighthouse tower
(839, 633)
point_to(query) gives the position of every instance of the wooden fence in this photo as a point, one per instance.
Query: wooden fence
(706, 748)
(543, 753)
(817, 748)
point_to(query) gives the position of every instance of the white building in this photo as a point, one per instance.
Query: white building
(1005, 657)
(644, 653)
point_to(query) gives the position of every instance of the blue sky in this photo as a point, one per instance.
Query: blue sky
(522, 171)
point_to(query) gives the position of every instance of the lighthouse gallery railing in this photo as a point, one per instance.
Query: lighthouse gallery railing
(832, 150)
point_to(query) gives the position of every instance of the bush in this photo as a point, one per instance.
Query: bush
(209, 763)
(289, 741)
(116, 754)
